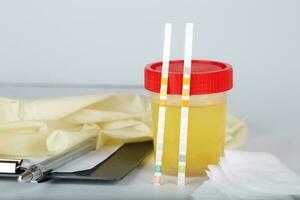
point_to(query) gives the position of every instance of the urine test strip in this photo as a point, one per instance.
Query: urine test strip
(162, 105)
(185, 101)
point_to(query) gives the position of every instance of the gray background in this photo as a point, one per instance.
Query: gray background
(50, 48)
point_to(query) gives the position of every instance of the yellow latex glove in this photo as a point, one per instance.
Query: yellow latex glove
(235, 132)
(49, 126)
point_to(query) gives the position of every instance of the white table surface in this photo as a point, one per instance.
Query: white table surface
(281, 139)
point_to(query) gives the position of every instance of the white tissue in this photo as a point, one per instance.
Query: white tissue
(249, 176)
(260, 172)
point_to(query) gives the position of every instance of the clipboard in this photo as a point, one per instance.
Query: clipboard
(8, 165)
(114, 168)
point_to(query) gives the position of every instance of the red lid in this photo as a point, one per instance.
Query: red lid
(207, 77)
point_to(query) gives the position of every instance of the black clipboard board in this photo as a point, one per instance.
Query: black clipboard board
(114, 168)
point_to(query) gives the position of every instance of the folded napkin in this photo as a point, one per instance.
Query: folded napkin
(49, 126)
(249, 176)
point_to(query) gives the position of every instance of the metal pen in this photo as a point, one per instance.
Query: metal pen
(38, 172)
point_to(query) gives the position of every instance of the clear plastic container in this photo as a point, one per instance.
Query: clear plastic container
(205, 131)
(207, 113)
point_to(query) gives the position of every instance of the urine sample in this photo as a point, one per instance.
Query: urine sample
(210, 81)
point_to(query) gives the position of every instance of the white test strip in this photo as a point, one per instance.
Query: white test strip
(162, 105)
(185, 100)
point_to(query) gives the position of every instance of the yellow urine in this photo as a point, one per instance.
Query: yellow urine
(205, 143)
